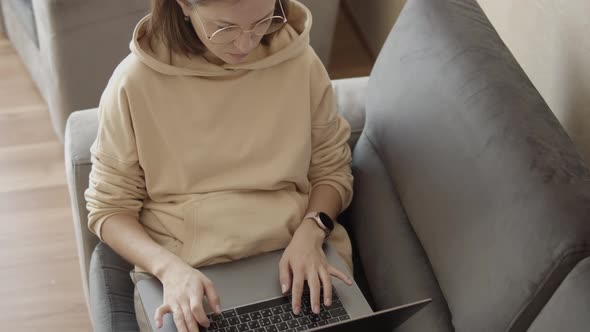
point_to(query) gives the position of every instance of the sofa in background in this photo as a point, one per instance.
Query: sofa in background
(72, 47)
(467, 188)
(2, 29)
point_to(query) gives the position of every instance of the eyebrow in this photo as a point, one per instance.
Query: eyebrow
(258, 20)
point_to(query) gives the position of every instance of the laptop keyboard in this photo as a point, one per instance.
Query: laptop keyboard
(277, 315)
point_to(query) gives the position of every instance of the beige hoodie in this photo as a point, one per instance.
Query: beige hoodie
(218, 162)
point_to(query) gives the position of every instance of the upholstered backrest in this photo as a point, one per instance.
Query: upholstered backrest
(462, 161)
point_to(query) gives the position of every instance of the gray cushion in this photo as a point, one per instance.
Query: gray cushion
(569, 307)
(111, 292)
(491, 184)
(394, 263)
(24, 10)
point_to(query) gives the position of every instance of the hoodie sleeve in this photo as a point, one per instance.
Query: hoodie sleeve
(331, 155)
(116, 183)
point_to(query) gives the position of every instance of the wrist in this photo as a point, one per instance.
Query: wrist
(165, 263)
(310, 229)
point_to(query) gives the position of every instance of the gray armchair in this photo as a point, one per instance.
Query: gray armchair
(72, 47)
(467, 189)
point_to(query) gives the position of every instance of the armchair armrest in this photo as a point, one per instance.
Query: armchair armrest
(568, 308)
(80, 133)
(350, 98)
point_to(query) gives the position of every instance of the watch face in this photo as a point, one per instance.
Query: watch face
(327, 221)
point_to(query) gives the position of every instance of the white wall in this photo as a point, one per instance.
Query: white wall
(551, 41)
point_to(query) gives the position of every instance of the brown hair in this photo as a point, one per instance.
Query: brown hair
(167, 23)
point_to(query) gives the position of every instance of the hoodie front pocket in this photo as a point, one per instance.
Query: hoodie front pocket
(233, 225)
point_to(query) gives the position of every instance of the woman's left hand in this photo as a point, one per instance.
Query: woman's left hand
(305, 258)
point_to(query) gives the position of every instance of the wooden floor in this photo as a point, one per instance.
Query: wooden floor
(40, 285)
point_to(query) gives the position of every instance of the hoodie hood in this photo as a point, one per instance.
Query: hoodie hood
(291, 41)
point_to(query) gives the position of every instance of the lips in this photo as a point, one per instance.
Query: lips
(238, 55)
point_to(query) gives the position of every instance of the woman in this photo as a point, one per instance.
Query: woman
(218, 140)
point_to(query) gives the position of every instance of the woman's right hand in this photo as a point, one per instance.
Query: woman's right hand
(184, 291)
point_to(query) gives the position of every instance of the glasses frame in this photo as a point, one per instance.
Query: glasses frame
(210, 38)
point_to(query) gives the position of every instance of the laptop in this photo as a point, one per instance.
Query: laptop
(251, 300)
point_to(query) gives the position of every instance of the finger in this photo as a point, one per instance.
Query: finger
(314, 291)
(339, 274)
(327, 286)
(297, 291)
(179, 319)
(160, 312)
(212, 297)
(198, 311)
(191, 324)
(284, 275)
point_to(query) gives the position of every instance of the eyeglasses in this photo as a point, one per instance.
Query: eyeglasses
(230, 33)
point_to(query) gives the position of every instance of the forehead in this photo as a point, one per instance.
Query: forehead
(236, 11)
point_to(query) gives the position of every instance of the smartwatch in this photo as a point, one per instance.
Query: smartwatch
(323, 220)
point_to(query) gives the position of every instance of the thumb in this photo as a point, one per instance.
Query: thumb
(160, 312)
(284, 275)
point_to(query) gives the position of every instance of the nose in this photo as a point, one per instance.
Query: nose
(245, 42)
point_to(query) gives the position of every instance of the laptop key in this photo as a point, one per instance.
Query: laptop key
(307, 311)
(312, 325)
(336, 304)
(325, 315)
(333, 320)
(213, 326)
(345, 317)
(293, 323)
(266, 312)
(260, 330)
(232, 329)
(243, 327)
(315, 318)
(286, 316)
(271, 328)
(245, 318)
(337, 312)
(276, 310)
(282, 326)
(222, 323)
(265, 322)
(304, 321)
(306, 301)
(254, 325)
(302, 328)
(229, 313)
(233, 320)
(216, 317)
(287, 307)
(275, 319)
(255, 315)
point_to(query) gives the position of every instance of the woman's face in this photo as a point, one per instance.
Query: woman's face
(217, 14)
